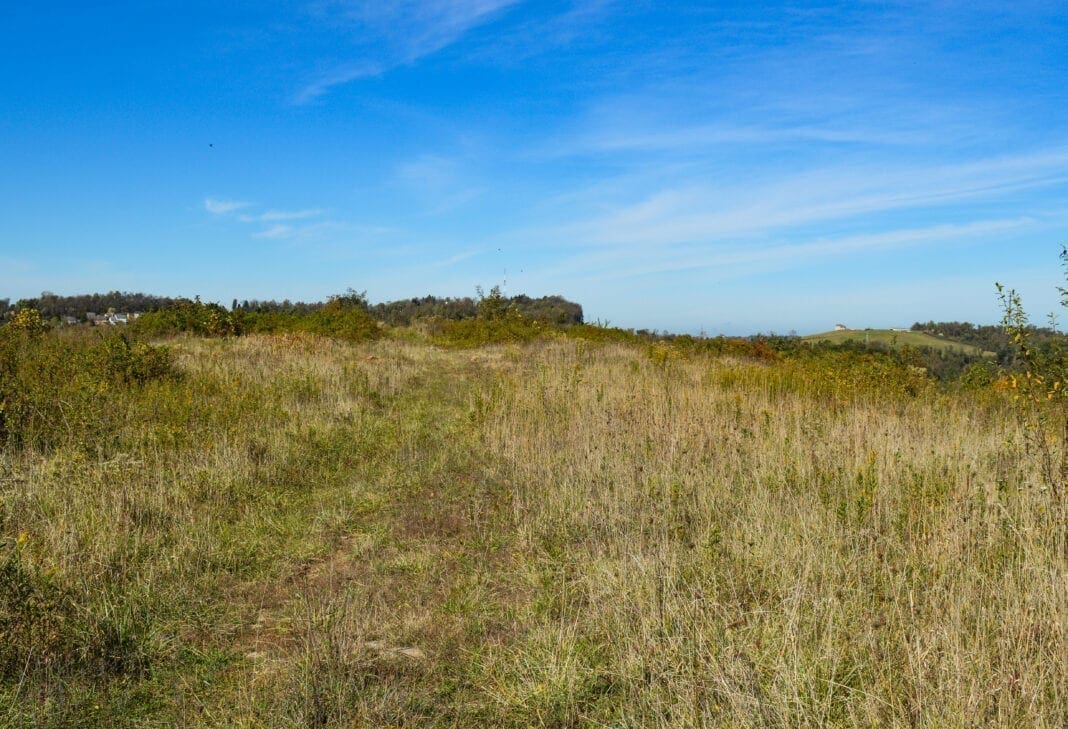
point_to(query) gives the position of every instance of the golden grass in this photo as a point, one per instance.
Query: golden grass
(308, 533)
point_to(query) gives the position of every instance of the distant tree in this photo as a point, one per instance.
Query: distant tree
(494, 305)
(351, 299)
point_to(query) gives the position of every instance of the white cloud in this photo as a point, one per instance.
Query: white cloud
(416, 28)
(276, 231)
(689, 140)
(671, 218)
(323, 230)
(390, 34)
(690, 211)
(453, 260)
(223, 207)
(745, 260)
(279, 215)
(291, 214)
(336, 77)
(280, 224)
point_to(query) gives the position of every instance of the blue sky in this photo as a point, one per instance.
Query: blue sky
(725, 167)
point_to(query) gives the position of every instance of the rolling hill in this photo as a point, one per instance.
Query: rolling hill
(895, 339)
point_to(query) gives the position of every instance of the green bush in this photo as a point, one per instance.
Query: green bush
(340, 318)
(28, 322)
(189, 316)
(67, 386)
(979, 376)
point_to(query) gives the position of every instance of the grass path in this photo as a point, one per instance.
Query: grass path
(374, 630)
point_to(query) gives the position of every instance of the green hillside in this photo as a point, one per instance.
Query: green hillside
(895, 339)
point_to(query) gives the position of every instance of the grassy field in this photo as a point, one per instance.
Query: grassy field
(891, 338)
(301, 532)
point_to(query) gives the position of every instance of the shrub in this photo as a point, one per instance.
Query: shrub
(980, 375)
(67, 386)
(341, 318)
(190, 316)
(344, 316)
(1039, 387)
(28, 322)
(134, 363)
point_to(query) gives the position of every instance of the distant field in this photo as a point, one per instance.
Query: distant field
(895, 339)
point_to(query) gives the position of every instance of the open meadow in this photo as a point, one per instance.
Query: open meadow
(291, 530)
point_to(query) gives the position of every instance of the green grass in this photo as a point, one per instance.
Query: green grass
(894, 339)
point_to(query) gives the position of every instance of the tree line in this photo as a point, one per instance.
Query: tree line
(989, 337)
(52, 306)
(549, 309)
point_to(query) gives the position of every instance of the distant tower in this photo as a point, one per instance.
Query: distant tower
(504, 284)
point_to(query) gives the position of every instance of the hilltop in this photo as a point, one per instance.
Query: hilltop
(897, 339)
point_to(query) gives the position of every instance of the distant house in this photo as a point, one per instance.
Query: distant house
(840, 327)
(70, 320)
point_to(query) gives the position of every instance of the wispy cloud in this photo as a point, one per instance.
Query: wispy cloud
(691, 139)
(307, 232)
(678, 218)
(415, 28)
(223, 207)
(334, 233)
(453, 260)
(335, 77)
(276, 231)
(690, 212)
(271, 216)
(751, 264)
(440, 183)
(745, 260)
(580, 22)
(385, 35)
(281, 224)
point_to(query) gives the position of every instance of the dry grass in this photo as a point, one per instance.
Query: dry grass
(309, 533)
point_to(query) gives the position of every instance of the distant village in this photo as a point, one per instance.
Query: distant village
(102, 320)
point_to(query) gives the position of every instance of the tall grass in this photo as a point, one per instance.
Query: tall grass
(741, 550)
(296, 531)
